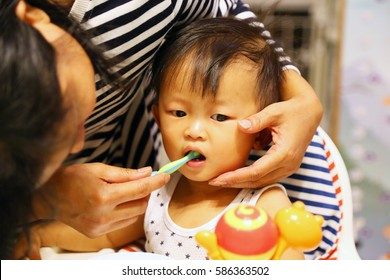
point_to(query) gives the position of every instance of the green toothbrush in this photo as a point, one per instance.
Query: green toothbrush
(171, 167)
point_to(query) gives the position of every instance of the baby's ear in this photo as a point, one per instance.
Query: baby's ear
(256, 145)
(263, 139)
(156, 115)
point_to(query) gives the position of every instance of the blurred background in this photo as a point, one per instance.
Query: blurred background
(342, 48)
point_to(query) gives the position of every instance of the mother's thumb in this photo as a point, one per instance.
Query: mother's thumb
(258, 121)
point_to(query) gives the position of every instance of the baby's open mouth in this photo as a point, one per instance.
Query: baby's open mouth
(199, 158)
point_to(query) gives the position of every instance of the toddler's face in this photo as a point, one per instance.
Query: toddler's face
(206, 124)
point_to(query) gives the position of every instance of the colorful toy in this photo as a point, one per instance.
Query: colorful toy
(245, 232)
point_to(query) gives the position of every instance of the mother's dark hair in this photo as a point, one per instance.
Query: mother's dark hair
(31, 110)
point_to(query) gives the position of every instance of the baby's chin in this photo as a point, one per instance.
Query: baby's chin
(201, 177)
(198, 178)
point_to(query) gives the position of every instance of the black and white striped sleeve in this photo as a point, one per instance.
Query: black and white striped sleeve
(239, 9)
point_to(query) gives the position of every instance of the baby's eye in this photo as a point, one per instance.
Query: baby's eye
(179, 113)
(219, 117)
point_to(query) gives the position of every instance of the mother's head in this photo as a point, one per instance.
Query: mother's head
(47, 91)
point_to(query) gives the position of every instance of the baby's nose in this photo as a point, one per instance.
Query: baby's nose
(196, 130)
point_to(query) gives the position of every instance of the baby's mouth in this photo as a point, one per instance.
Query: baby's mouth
(199, 158)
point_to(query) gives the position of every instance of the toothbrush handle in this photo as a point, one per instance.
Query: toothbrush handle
(171, 167)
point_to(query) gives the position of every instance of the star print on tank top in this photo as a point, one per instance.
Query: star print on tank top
(165, 237)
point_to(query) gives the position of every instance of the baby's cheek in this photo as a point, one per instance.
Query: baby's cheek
(246, 142)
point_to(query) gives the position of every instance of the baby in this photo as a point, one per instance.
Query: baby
(207, 77)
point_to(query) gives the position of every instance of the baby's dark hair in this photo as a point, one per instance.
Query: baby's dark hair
(31, 110)
(212, 44)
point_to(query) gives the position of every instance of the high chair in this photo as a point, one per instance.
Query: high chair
(321, 182)
(346, 243)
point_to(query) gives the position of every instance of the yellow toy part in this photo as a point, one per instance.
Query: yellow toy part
(298, 228)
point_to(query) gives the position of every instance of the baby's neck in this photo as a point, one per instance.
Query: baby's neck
(202, 190)
(196, 203)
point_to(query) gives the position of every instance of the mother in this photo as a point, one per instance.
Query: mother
(94, 191)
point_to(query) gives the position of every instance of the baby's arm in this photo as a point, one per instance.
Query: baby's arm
(272, 200)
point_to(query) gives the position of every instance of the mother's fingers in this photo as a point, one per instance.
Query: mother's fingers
(112, 219)
(270, 178)
(240, 177)
(260, 173)
(128, 213)
(119, 193)
(111, 174)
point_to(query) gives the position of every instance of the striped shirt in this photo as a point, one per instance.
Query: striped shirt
(121, 130)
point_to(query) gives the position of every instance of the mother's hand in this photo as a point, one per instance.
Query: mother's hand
(96, 198)
(292, 124)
